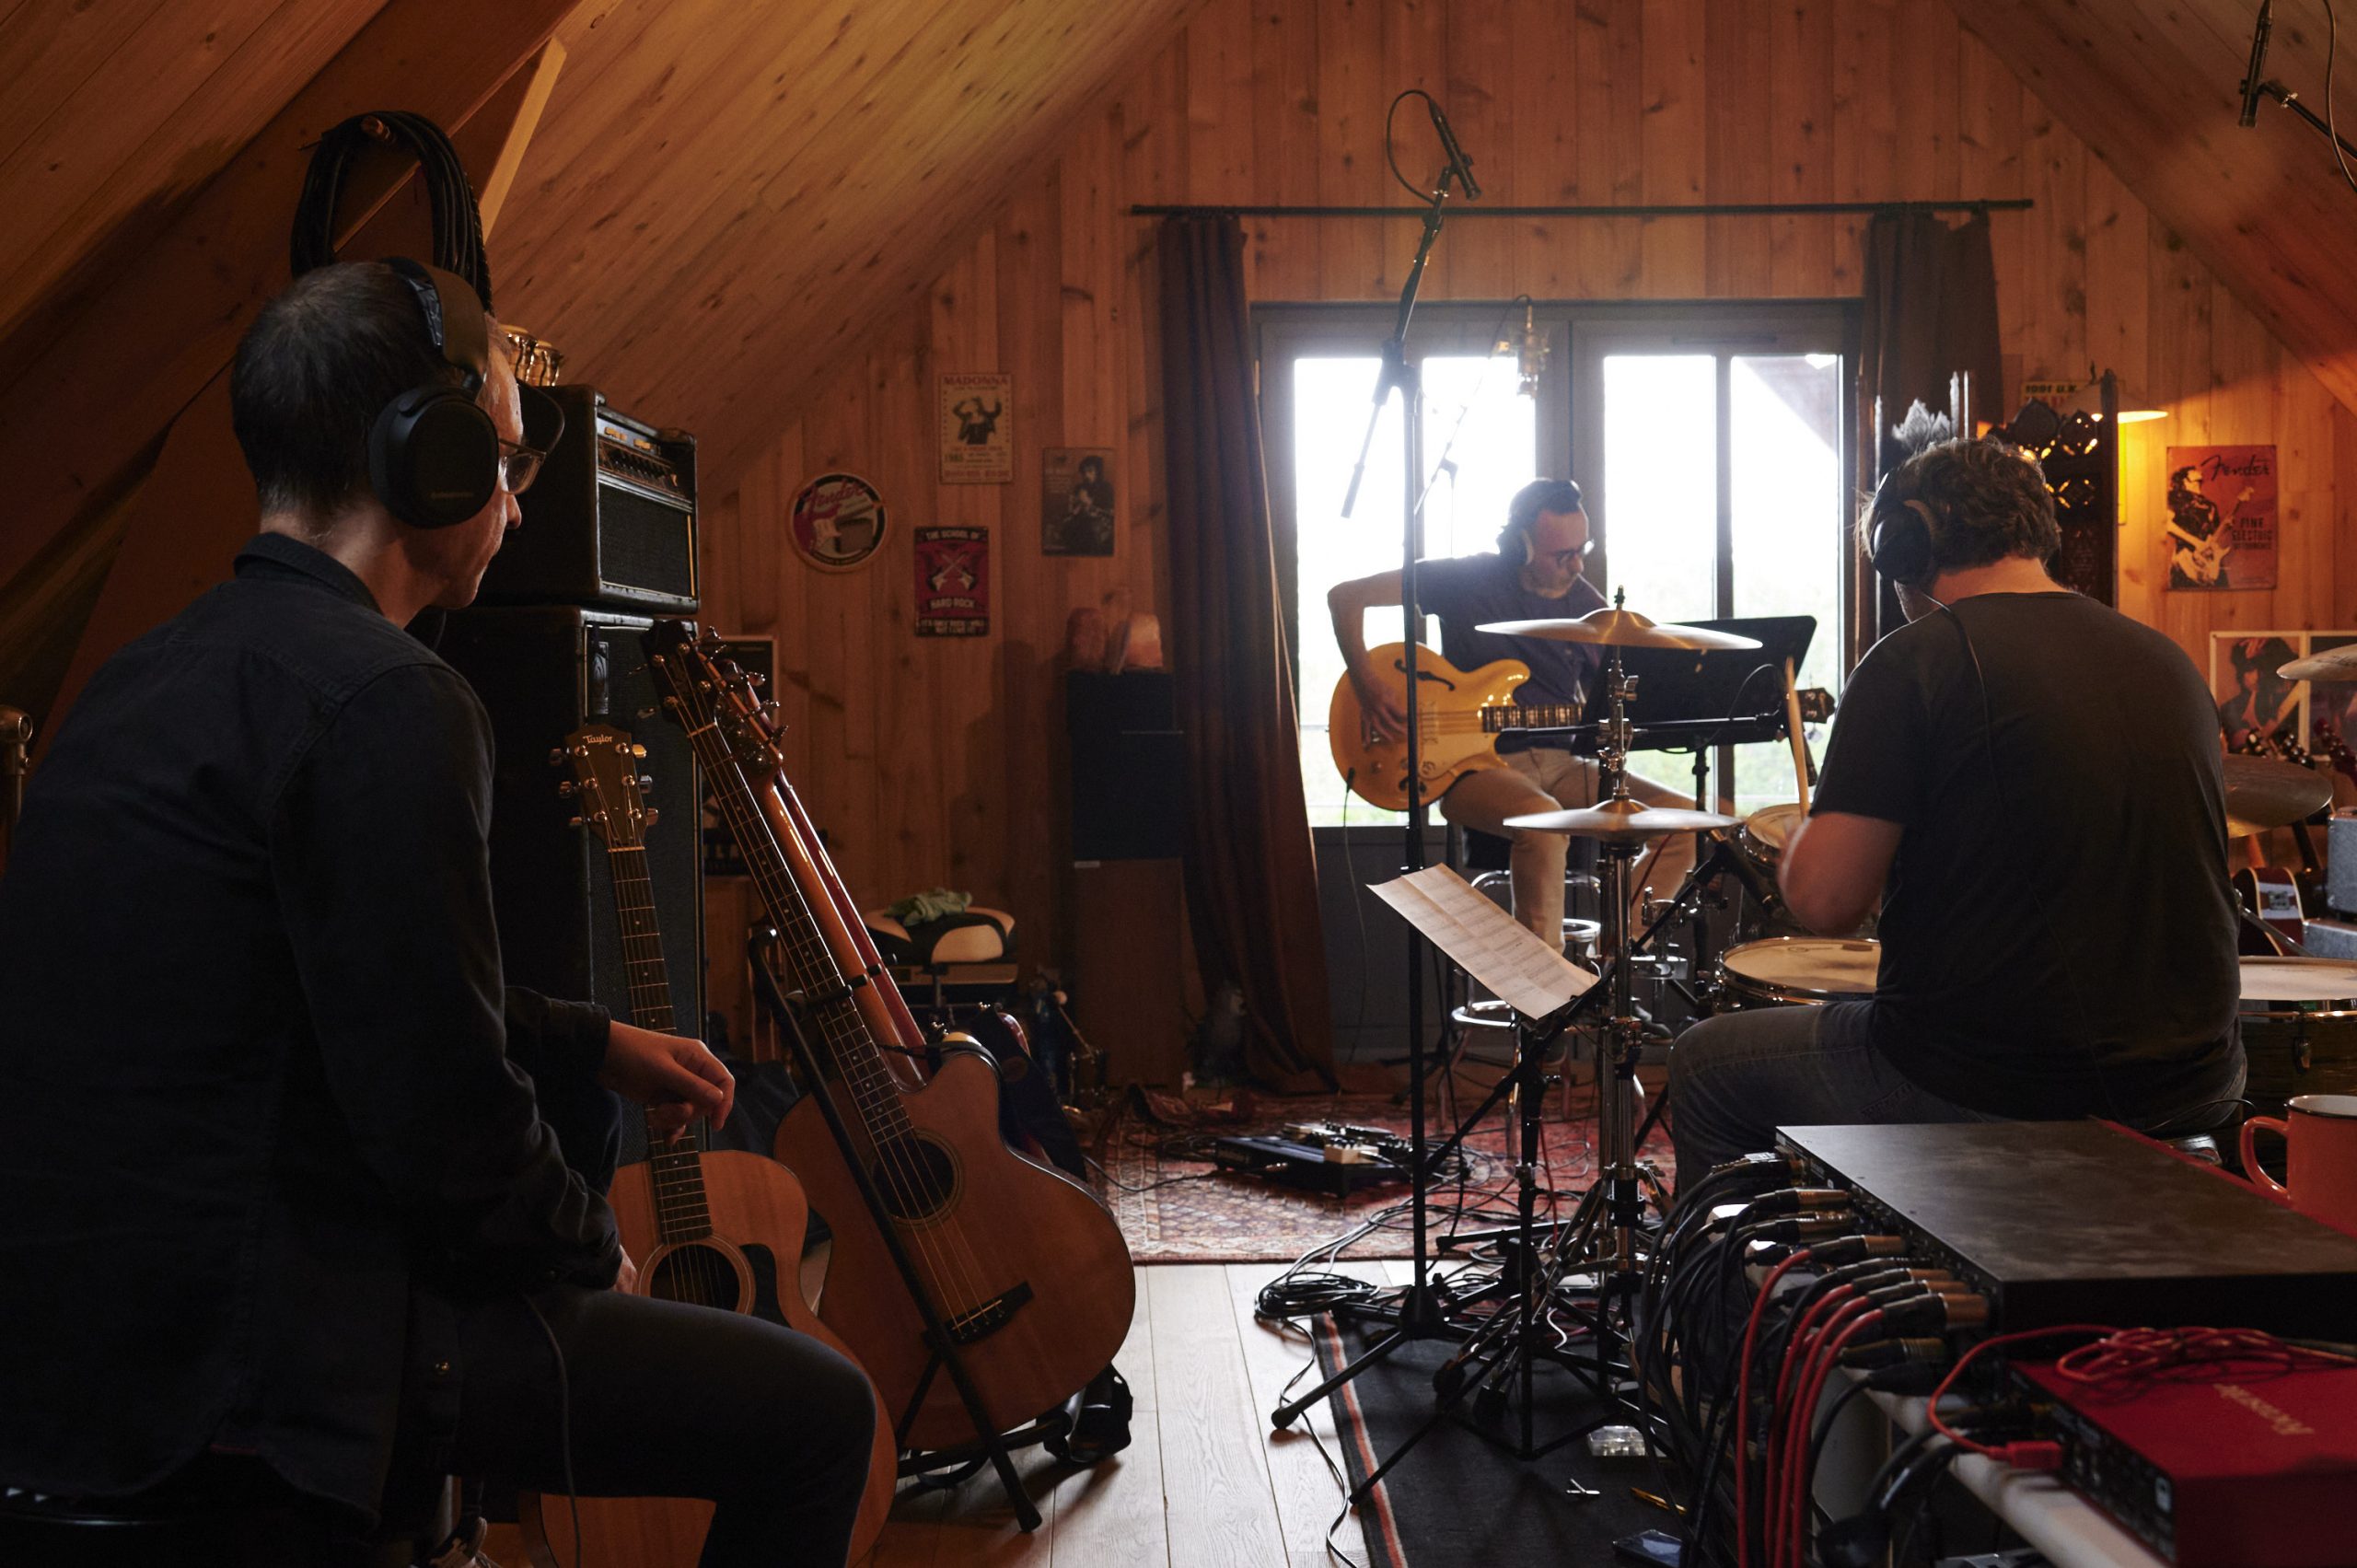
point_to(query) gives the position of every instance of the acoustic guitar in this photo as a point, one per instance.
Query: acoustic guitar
(1025, 1269)
(1460, 716)
(720, 1228)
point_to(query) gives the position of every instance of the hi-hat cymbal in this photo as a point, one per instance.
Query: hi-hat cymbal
(2266, 792)
(1621, 819)
(1621, 628)
(2333, 664)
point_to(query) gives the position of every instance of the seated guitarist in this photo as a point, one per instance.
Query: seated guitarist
(284, 1209)
(1535, 573)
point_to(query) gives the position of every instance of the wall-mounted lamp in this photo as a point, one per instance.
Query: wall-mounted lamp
(2089, 401)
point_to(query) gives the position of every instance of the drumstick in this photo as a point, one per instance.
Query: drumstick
(1792, 732)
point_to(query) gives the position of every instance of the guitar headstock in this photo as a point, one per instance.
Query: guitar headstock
(606, 786)
(704, 687)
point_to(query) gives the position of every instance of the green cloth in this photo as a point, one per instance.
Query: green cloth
(930, 905)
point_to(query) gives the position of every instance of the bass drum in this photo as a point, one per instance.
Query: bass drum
(2299, 1025)
(1782, 970)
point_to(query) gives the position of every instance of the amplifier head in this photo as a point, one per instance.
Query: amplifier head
(611, 519)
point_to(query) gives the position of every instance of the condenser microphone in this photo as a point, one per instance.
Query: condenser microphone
(2251, 77)
(1456, 155)
(1531, 359)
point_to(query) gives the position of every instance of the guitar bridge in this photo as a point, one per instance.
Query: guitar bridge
(982, 1321)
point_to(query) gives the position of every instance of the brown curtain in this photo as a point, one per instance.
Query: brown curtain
(1931, 311)
(1251, 874)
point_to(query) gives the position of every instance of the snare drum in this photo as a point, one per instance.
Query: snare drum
(2299, 1018)
(1760, 841)
(1765, 832)
(1809, 969)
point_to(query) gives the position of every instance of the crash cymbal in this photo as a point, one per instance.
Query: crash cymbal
(2333, 664)
(1621, 819)
(2266, 792)
(1621, 628)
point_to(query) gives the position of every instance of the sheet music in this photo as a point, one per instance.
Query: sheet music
(1524, 971)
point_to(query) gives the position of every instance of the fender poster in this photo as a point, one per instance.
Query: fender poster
(953, 582)
(2220, 519)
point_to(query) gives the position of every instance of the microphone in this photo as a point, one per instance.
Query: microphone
(1531, 360)
(2258, 63)
(1457, 158)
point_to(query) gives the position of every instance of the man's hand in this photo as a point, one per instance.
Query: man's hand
(626, 1279)
(1381, 714)
(676, 1078)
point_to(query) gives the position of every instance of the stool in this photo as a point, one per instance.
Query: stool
(225, 1511)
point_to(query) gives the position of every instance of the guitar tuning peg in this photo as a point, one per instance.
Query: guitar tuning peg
(647, 781)
(654, 814)
(574, 822)
(567, 787)
(773, 714)
(646, 712)
(637, 749)
(556, 756)
(756, 678)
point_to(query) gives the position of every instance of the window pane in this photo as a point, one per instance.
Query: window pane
(1330, 400)
(1495, 450)
(1785, 452)
(1661, 482)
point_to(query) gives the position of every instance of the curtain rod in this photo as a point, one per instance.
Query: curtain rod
(1707, 210)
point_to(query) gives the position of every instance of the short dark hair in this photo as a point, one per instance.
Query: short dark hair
(1988, 501)
(1538, 496)
(312, 373)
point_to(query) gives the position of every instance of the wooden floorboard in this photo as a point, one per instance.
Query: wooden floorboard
(1205, 1482)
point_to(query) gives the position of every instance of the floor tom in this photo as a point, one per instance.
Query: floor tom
(2299, 1027)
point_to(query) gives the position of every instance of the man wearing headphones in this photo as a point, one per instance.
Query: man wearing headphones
(2031, 785)
(1536, 573)
(268, 1116)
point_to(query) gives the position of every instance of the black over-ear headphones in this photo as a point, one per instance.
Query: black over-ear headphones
(1900, 540)
(434, 451)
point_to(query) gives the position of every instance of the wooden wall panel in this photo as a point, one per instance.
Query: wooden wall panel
(1611, 100)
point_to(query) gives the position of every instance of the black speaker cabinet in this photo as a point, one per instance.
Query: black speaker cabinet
(543, 672)
(1128, 766)
(610, 520)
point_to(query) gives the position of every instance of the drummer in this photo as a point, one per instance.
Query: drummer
(1535, 572)
(2030, 782)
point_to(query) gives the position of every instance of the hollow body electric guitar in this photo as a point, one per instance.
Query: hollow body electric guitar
(1460, 714)
(720, 1228)
(1027, 1270)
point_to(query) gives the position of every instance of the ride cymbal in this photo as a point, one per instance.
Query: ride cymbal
(2266, 792)
(1621, 819)
(2333, 664)
(1621, 629)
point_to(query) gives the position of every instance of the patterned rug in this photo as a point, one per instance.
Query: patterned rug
(1176, 1206)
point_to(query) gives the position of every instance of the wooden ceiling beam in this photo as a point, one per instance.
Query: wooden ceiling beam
(134, 356)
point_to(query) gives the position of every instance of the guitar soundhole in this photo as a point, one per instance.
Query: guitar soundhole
(915, 1177)
(700, 1276)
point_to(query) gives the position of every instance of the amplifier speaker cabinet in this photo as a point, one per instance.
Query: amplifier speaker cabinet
(1129, 778)
(543, 672)
(610, 520)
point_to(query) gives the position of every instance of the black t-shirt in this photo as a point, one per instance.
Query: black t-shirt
(2058, 929)
(1465, 591)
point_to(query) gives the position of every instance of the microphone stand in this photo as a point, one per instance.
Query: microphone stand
(1418, 1313)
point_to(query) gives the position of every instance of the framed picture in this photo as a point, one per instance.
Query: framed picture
(1076, 501)
(953, 582)
(977, 427)
(2221, 522)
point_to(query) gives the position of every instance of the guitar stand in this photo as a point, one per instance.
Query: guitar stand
(990, 1446)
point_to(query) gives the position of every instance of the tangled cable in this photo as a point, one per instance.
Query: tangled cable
(450, 196)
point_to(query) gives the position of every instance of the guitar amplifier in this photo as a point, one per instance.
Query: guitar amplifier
(610, 520)
(543, 672)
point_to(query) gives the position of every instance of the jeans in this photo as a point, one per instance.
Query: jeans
(672, 1400)
(1734, 1079)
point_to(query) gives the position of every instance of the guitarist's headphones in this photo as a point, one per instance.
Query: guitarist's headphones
(434, 451)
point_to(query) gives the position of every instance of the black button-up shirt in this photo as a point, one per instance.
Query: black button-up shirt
(259, 1076)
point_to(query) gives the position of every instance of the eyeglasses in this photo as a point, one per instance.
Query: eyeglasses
(518, 464)
(1572, 557)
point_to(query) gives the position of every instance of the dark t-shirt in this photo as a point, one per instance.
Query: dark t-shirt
(2058, 929)
(1465, 591)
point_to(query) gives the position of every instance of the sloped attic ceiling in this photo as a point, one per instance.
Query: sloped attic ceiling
(2153, 86)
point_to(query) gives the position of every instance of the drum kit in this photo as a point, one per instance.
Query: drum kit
(2299, 1014)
